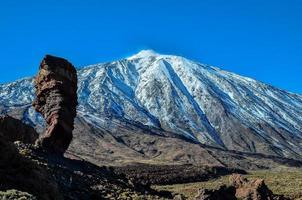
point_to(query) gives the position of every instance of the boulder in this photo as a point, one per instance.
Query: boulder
(15, 130)
(240, 188)
(222, 193)
(254, 189)
(19, 173)
(56, 100)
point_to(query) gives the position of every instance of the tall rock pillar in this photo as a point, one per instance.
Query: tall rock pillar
(56, 100)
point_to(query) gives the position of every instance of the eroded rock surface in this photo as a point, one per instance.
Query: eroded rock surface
(254, 189)
(240, 188)
(223, 193)
(15, 130)
(20, 173)
(56, 99)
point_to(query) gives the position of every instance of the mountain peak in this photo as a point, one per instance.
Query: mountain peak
(144, 53)
(182, 97)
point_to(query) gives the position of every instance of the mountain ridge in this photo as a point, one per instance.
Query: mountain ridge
(177, 95)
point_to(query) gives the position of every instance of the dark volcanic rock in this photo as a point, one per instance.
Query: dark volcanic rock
(15, 130)
(80, 180)
(240, 188)
(20, 173)
(27, 171)
(223, 193)
(56, 99)
(172, 174)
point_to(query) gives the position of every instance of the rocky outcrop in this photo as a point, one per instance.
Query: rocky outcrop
(23, 174)
(27, 172)
(223, 193)
(148, 174)
(254, 189)
(15, 130)
(240, 188)
(56, 99)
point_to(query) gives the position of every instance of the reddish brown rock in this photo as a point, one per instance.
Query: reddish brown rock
(240, 188)
(15, 130)
(56, 99)
(254, 189)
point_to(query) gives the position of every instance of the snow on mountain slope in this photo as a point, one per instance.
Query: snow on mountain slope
(201, 102)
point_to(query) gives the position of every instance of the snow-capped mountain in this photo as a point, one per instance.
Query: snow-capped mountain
(173, 94)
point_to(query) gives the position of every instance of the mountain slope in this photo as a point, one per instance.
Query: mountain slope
(178, 97)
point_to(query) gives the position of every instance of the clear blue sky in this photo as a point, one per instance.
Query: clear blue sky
(261, 39)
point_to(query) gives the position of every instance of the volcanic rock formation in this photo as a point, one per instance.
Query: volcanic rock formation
(20, 173)
(254, 189)
(15, 130)
(240, 188)
(56, 99)
(223, 193)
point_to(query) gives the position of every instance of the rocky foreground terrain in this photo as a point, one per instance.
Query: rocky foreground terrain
(281, 181)
(29, 172)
